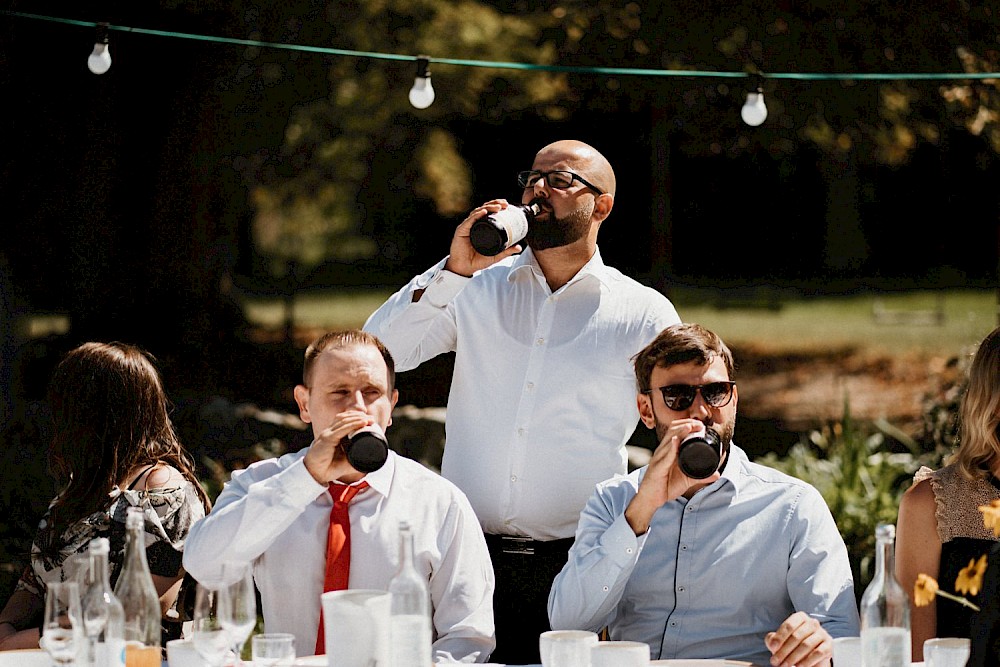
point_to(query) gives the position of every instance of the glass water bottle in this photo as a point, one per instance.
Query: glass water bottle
(103, 617)
(885, 609)
(410, 615)
(138, 596)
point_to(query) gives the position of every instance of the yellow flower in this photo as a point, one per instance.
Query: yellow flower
(970, 578)
(991, 516)
(924, 590)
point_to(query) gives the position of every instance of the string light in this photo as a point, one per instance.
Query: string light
(754, 111)
(422, 92)
(99, 61)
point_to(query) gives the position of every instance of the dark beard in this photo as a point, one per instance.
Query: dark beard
(556, 232)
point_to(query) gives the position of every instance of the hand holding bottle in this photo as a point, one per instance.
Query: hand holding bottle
(463, 258)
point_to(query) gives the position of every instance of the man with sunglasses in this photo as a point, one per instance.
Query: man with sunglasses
(542, 398)
(746, 563)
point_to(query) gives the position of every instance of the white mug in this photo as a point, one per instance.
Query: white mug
(566, 648)
(619, 654)
(847, 652)
(356, 627)
(946, 652)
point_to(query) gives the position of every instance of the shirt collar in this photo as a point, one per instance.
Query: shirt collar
(735, 472)
(381, 479)
(526, 262)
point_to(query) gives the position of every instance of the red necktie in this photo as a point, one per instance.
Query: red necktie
(338, 547)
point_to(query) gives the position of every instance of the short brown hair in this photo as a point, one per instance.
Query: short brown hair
(680, 344)
(346, 338)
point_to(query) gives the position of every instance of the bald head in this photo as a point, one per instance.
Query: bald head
(582, 159)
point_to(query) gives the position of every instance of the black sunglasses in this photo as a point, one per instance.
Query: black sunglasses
(556, 179)
(679, 397)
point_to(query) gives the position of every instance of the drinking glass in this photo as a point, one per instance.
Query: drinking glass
(210, 639)
(237, 604)
(62, 626)
(273, 648)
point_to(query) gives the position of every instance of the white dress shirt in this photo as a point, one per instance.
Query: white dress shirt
(713, 574)
(276, 515)
(542, 398)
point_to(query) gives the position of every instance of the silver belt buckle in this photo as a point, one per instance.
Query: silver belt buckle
(514, 544)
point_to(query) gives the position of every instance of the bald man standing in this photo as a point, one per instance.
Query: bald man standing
(542, 398)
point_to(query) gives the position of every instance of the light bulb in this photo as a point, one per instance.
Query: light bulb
(99, 61)
(754, 111)
(422, 92)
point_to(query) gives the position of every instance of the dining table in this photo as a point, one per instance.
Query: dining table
(38, 658)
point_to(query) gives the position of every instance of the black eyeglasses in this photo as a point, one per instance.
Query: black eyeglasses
(679, 397)
(556, 179)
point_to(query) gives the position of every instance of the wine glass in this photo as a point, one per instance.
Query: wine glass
(62, 626)
(210, 639)
(237, 604)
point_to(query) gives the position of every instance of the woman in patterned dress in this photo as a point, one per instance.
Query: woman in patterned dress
(113, 447)
(940, 528)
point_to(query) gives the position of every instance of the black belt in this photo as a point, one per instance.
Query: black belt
(525, 546)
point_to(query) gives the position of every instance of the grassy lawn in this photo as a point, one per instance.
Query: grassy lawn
(888, 322)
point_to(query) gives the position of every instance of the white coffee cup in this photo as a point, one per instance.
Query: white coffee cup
(182, 653)
(566, 648)
(619, 654)
(847, 652)
(947, 652)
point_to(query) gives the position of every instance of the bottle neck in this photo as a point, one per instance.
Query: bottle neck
(99, 570)
(135, 547)
(405, 550)
(883, 559)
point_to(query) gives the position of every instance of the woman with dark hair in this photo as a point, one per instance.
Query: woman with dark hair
(113, 447)
(940, 528)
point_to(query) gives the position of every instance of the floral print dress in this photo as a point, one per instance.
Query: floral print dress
(169, 514)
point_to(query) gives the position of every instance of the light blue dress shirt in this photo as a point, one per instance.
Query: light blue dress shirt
(713, 574)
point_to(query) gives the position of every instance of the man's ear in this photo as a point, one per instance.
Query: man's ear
(645, 404)
(302, 399)
(602, 207)
(395, 398)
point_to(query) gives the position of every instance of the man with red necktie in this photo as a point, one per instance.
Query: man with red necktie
(310, 522)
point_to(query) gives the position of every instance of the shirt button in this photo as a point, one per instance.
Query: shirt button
(680, 589)
(520, 431)
(540, 341)
(628, 550)
(513, 478)
(684, 547)
(690, 508)
(606, 589)
(531, 385)
(673, 624)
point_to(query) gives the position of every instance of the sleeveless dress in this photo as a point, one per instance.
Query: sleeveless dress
(963, 538)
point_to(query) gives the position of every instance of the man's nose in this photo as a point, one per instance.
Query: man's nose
(700, 407)
(358, 399)
(541, 188)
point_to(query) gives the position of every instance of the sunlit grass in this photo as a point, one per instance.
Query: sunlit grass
(799, 323)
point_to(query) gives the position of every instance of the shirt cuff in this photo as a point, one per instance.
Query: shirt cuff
(298, 484)
(443, 287)
(620, 542)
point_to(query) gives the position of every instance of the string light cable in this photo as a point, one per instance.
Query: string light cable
(422, 94)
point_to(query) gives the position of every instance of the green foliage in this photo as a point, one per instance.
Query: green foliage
(859, 476)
